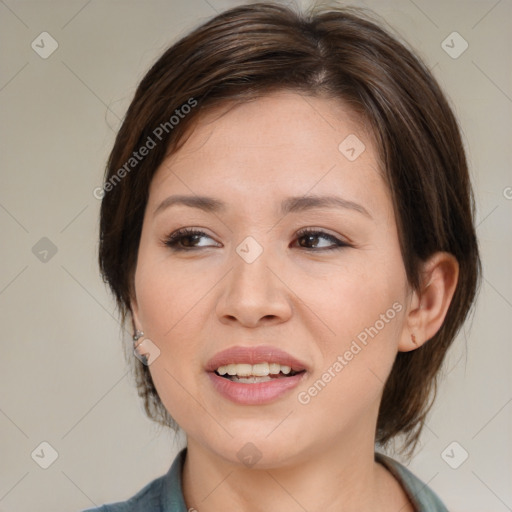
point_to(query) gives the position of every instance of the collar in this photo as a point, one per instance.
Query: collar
(171, 491)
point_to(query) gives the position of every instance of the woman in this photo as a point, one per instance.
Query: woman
(287, 224)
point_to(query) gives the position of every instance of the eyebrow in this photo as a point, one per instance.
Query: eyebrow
(288, 205)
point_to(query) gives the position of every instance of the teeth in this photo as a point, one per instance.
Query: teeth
(256, 370)
(251, 380)
(260, 370)
(274, 368)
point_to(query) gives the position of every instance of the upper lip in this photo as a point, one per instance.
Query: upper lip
(254, 355)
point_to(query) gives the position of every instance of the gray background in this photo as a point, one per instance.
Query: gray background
(63, 377)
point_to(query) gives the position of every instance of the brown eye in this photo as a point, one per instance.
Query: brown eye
(186, 239)
(311, 236)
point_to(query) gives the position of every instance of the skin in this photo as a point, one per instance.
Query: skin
(296, 296)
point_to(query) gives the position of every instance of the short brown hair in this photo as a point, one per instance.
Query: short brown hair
(249, 51)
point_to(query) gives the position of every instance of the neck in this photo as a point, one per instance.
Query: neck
(343, 477)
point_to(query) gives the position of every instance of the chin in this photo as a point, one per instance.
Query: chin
(256, 449)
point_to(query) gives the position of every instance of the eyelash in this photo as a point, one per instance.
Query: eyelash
(173, 240)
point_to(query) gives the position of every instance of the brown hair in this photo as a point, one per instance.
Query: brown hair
(248, 51)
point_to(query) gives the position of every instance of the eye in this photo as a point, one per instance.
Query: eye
(312, 234)
(185, 239)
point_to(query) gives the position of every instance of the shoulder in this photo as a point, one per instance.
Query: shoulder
(146, 500)
(161, 494)
(423, 498)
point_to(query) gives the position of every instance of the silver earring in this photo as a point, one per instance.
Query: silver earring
(138, 334)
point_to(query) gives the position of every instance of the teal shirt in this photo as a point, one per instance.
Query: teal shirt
(164, 494)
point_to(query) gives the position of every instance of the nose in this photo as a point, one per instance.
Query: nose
(254, 294)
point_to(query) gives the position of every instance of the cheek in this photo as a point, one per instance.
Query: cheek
(352, 299)
(364, 310)
(166, 294)
(170, 313)
(168, 317)
(355, 367)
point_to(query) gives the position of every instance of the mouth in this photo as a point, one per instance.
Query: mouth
(255, 375)
(246, 373)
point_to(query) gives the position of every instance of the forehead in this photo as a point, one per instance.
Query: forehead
(284, 143)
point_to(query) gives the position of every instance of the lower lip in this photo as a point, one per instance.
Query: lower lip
(254, 394)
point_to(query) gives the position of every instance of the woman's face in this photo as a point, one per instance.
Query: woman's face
(330, 302)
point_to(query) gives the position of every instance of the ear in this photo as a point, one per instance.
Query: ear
(429, 305)
(134, 311)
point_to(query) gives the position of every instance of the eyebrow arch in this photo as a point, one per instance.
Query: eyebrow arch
(288, 205)
(299, 204)
(207, 204)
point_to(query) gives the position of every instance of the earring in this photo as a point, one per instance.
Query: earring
(138, 334)
(413, 338)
